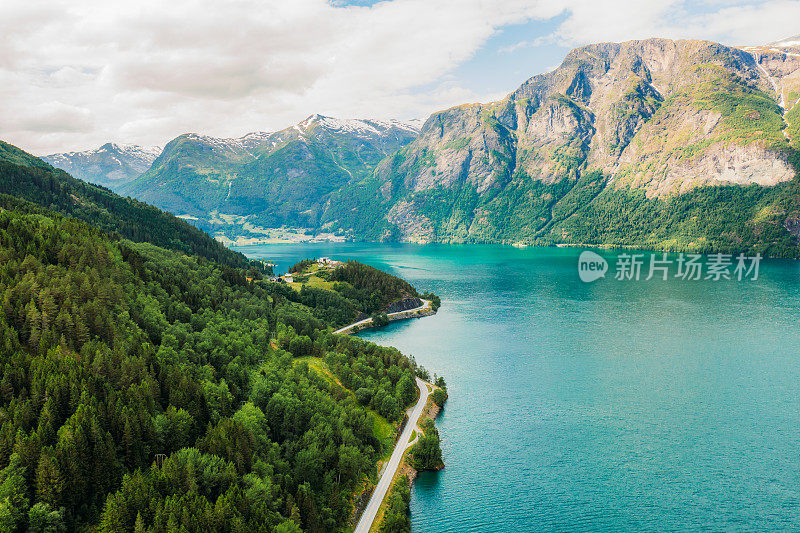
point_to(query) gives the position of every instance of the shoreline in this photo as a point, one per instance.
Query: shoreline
(426, 309)
(522, 246)
(430, 412)
(397, 465)
(385, 482)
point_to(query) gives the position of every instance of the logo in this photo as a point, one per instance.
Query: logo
(683, 266)
(591, 267)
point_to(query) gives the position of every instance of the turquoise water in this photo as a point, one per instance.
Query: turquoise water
(614, 405)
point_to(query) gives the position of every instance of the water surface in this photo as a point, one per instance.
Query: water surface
(614, 405)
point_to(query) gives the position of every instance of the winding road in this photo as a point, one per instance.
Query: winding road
(425, 305)
(378, 495)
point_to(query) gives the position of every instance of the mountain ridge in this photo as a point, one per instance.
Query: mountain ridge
(655, 117)
(111, 165)
(279, 178)
(645, 126)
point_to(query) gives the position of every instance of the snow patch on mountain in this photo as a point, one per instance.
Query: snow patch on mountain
(357, 127)
(144, 153)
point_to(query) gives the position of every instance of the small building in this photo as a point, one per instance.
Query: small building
(288, 278)
(324, 261)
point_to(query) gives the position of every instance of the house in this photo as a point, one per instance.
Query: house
(288, 278)
(324, 261)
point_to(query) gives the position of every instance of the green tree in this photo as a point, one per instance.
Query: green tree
(49, 480)
(395, 519)
(439, 396)
(426, 454)
(406, 389)
(43, 519)
(13, 495)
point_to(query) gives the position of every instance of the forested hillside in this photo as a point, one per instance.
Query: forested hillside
(266, 180)
(25, 176)
(146, 390)
(348, 292)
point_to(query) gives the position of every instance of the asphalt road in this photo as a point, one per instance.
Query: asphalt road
(425, 305)
(378, 495)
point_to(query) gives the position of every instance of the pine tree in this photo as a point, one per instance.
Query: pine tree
(49, 481)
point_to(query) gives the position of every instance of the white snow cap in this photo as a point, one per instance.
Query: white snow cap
(355, 126)
(147, 153)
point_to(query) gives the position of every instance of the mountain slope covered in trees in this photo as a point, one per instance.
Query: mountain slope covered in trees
(266, 179)
(25, 176)
(149, 390)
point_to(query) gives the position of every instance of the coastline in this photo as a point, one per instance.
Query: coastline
(370, 517)
(406, 473)
(667, 248)
(426, 309)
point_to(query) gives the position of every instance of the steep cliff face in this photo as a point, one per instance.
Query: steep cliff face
(655, 117)
(617, 108)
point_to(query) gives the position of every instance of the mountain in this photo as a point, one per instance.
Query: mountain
(678, 145)
(112, 165)
(658, 143)
(28, 178)
(790, 44)
(267, 179)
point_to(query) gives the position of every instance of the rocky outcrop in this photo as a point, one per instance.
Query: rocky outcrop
(720, 164)
(403, 305)
(591, 112)
(413, 226)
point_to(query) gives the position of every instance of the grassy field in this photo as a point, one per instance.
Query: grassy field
(318, 365)
(384, 432)
(309, 277)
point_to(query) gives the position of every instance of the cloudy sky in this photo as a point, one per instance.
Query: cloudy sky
(78, 73)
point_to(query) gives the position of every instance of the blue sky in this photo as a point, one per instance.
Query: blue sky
(510, 57)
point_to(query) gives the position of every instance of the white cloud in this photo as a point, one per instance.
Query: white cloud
(147, 71)
(77, 73)
(52, 116)
(727, 21)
